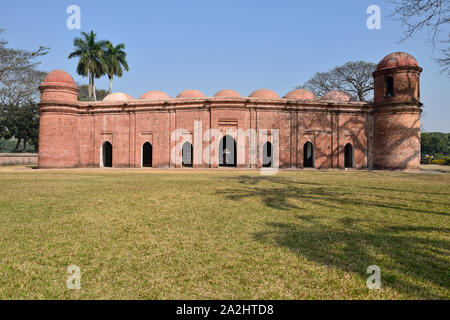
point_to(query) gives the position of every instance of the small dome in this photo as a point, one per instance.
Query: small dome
(155, 95)
(190, 94)
(227, 94)
(118, 96)
(300, 94)
(59, 76)
(397, 59)
(337, 95)
(264, 94)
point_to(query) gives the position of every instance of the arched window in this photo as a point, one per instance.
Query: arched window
(227, 152)
(348, 155)
(389, 87)
(308, 155)
(267, 155)
(187, 154)
(147, 155)
(106, 153)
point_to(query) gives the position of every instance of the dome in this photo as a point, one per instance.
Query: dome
(337, 95)
(264, 94)
(190, 94)
(397, 59)
(118, 96)
(227, 94)
(300, 94)
(59, 76)
(155, 95)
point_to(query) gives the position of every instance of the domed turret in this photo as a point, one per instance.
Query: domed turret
(58, 85)
(396, 140)
(397, 59)
(58, 122)
(59, 76)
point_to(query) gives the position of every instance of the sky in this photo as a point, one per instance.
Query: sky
(210, 45)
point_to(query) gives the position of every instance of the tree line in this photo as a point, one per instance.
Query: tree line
(19, 94)
(435, 144)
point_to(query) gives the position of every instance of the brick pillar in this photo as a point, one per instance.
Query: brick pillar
(59, 142)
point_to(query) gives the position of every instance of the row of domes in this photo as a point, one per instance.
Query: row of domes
(297, 94)
(393, 60)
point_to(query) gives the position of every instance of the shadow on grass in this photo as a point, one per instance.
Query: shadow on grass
(411, 257)
(407, 262)
(285, 191)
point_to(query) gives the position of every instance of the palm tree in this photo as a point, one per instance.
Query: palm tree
(115, 58)
(91, 63)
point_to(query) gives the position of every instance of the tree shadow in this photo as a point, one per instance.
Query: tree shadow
(286, 191)
(406, 262)
(413, 259)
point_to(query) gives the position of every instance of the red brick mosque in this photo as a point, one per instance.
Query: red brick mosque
(330, 132)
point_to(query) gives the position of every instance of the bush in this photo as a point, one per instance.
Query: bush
(438, 161)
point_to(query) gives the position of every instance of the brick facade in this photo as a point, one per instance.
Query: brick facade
(384, 134)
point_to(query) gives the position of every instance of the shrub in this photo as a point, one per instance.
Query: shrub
(438, 161)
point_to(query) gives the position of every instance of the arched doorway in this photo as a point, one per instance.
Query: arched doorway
(267, 155)
(187, 155)
(227, 152)
(348, 155)
(308, 155)
(107, 150)
(147, 155)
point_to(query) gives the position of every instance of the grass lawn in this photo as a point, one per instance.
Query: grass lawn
(176, 234)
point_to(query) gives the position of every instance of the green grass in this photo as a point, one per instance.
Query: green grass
(149, 234)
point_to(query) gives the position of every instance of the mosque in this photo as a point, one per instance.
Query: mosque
(328, 132)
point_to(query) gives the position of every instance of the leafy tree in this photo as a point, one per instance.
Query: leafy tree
(435, 143)
(22, 123)
(83, 94)
(432, 16)
(115, 58)
(355, 77)
(19, 81)
(91, 61)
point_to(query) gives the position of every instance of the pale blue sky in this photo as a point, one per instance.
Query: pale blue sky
(211, 45)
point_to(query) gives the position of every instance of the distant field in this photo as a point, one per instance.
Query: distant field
(155, 234)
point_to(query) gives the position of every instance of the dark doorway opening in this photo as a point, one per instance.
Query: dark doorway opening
(147, 155)
(308, 155)
(267, 155)
(348, 155)
(227, 152)
(107, 154)
(187, 155)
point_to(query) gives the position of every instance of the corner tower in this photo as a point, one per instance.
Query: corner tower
(58, 124)
(397, 108)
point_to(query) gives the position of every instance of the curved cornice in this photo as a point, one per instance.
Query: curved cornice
(83, 107)
(59, 86)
